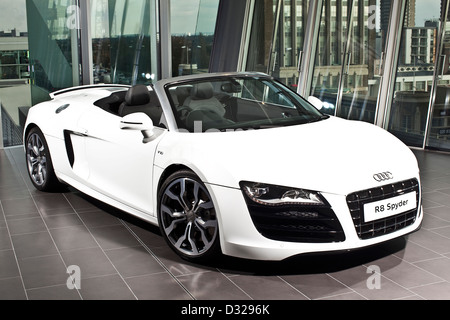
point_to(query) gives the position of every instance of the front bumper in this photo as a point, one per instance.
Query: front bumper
(240, 237)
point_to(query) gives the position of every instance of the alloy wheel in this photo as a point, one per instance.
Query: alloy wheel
(37, 159)
(188, 218)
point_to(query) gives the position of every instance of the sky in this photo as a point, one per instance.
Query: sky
(13, 15)
(427, 10)
(186, 12)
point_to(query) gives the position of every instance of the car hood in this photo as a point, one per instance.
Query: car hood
(334, 156)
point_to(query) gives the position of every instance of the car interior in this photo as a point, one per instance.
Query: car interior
(136, 99)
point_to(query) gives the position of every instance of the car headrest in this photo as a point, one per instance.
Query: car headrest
(137, 95)
(202, 91)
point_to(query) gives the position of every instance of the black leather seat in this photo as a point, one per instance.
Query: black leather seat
(140, 99)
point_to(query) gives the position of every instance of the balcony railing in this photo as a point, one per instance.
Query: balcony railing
(12, 133)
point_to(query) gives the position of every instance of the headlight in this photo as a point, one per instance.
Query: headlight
(272, 195)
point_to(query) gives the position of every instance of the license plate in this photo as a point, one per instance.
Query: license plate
(389, 207)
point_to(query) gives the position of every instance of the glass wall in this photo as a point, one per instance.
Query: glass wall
(347, 73)
(14, 72)
(54, 44)
(367, 60)
(124, 43)
(261, 34)
(277, 38)
(193, 23)
(416, 71)
(439, 125)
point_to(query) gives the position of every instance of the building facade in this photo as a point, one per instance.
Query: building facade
(380, 61)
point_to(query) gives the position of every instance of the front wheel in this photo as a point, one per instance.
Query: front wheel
(187, 217)
(39, 162)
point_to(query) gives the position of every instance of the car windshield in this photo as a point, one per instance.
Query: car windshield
(238, 103)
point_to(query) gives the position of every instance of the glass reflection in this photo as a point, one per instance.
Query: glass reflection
(124, 41)
(193, 24)
(439, 131)
(281, 60)
(347, 72)
(415, 71)
(54, 46)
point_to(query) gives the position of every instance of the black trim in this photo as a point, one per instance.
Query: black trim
(96, 86)
(296, 223)
(69, 147)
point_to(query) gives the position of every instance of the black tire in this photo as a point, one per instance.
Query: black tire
(39, 162)
(187, 217)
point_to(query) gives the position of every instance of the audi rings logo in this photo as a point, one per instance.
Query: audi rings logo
(383, 176)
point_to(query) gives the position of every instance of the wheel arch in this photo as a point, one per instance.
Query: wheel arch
(169, 171)
(28, 128)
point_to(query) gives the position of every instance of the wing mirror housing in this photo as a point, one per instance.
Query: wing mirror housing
(316, 102)
(138, 121)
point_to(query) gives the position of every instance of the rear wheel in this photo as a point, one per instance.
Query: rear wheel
(39, 162)
(187, 217)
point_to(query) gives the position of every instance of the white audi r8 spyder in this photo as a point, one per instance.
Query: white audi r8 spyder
(227, 163)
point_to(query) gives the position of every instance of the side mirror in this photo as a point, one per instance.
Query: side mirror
(316, 102)
(138, 121)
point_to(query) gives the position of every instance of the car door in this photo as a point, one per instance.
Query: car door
(120, 163)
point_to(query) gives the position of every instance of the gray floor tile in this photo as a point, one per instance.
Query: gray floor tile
(316, 286)
(404, 273)
(92, 262)
(60, 292)
(175, 264)
(212, 285)
(43, 271)
(98, 218)
(437, 291)
(8, 265)
(72, 238)
(157, 287)
(365, 281)
(111, 237)
(81, 202)
(48, 203)
(22, 206)
(13, 192)
(431, 240)
(33, 245)
(28, 225)
(62, 220)
(413, 253)
(149, 235)
(267, 288)
(12, 289)
(134, 261)
(439, 267)
(110, 287)
(5, 240)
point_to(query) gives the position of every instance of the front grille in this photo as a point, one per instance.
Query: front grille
(372, 229)
(313, 224)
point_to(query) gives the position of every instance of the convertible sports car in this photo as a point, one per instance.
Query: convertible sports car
(228, 163)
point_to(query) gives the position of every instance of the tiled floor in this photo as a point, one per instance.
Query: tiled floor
(41, 235)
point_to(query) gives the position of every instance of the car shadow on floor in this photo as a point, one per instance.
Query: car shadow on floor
(311, 263)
